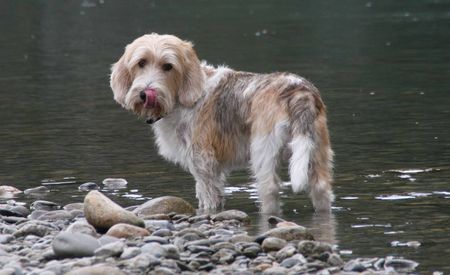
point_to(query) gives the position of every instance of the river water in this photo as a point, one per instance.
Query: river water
(382, 67)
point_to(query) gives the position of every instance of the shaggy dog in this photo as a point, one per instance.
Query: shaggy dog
(211, 120)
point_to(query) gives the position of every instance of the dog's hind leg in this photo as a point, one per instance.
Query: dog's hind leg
(265, 152)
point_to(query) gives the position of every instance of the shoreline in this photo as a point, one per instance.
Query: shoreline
(164, 236)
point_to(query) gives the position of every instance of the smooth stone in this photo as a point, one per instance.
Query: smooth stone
(335, 260)
(110, 250)
(44, 205)
(165, 205)
(224, 256)
(156, 239)
(231, 215)
(297, 259)
(105, 239)
(56, 215)
(251, 251)
(154, 249)
(98, 269)
(6, 238)
(222, 245)
(286, 252)
(74, 206)
(309, 248)
(15, 211)
(115, 183)
(272, 244)
(286, 224)
(241, 238)
(154, 225)
(199, 248)
(36, 214)
(82, 227)
(130, 252)
(162, 233)
(40, 190)
(88, 186)
(103, 213)
(171, 251)
(287, 233)
(196, 219)
(7, 191)
(123, 230)
(71, 245)
(274, 220)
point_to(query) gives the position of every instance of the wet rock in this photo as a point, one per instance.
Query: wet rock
(37, 191)
(162, 233)
(335, 260)
(313, 248)
(154, 249)
(154, 225)
(241, 238)
(251, 251)
(171, 251)
(110, 250)
(273, 220)
(7, 191)
(297, 259)
(356, 265)
(103, 213)
(97, 269)
(400, 265)
(272, 244)
(115, 183)
(13, 210)
(36, 214)
(123, 230)
(143, 261)
(287, 233)
(6, 238)
(105, 239)
(71, 245)
(44, 205)
(231, 215)
(165, 205)
(224, 256)
(286, 252)
(82, 227)
(88, 186)
(156, 239)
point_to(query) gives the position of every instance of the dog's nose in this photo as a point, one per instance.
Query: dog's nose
(143, 96)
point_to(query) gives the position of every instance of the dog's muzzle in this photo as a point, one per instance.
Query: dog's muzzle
(148, 97)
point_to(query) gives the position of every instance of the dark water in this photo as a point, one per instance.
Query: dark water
(382, 66)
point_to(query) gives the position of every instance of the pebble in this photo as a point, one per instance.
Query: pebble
(103, 213)
(69, 245)
(44, 205)
(273, 244)
(165, 205)
(123, 230)
(88, 186)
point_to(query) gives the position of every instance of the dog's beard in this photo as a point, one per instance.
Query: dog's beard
(164, 103)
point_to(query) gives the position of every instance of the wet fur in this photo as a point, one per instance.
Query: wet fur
(215, 119)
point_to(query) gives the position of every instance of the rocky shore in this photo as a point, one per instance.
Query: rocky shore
(163, 236)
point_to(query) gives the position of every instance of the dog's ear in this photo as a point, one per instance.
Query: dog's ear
(120, 80)
(192, 83)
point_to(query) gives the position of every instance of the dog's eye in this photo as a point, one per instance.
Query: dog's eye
(167, 67)
(142, 63)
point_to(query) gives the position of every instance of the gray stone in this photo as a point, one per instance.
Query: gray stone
(335, 260)
(32, 228)
(154, 249)
(251, 251)
(171, 251)
(72, 245)
(297, 259)
(44, 205)
(103, 213)
(82, 227)
(6, 238)
(143, 261)
(224, 256)
(130, 252)
(105, 239)
(276, 270)
(273, 244)
(74, 206)
(98, 269)
(400, 265)
(314, 248)
(110, 250)
(115, 183)
(154, 225)
(199, 248)
(165, 205)
(36, 214)
(231, 215)
(13, 210)
(56, 215)
(162, 233)
(286, 252)
(157, 239)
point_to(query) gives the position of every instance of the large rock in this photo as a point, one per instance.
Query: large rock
(72, 245)
(165, 205)
(123, 230)
(103, 213)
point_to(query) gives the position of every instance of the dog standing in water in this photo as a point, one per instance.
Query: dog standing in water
(211, 120)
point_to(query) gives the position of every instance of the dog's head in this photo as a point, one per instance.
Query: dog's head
(155, 73)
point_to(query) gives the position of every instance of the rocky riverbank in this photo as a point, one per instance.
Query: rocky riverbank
(162, 236)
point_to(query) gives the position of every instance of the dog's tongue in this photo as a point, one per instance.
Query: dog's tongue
(150, 98)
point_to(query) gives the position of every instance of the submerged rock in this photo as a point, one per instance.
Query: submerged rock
(165, 205)
(103, 213)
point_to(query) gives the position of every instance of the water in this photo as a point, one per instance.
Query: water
(382, 67)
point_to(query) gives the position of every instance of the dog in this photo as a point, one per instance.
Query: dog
(211, 120)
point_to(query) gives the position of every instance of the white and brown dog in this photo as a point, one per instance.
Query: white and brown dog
(211, 120)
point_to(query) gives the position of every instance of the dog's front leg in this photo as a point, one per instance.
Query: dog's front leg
(209, 188)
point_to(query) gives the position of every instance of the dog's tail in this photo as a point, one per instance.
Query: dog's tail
(310, 165)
